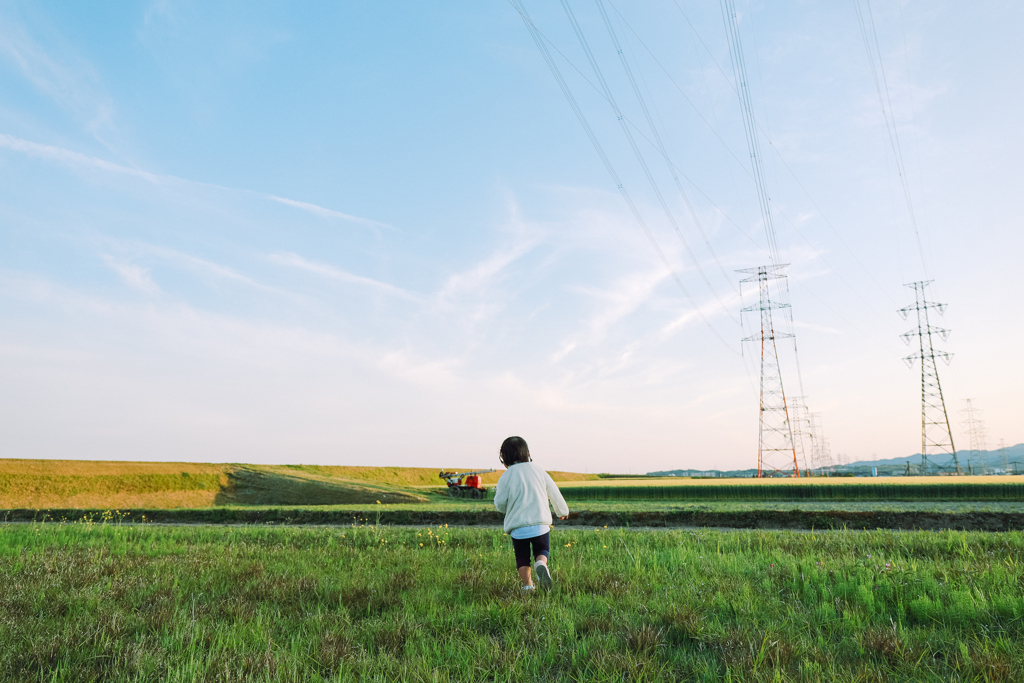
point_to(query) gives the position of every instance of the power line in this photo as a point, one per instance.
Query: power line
(629, 136)
(889, 116)
(661, 147)
(567, 92)
(749, 129)
(771, 144)
(820, 255)
(639, 132)
(537, 33)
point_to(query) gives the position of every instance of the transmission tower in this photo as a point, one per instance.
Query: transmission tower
(975, 433)
(936, 435)
(820, 455)
(776, 452)
(1002, 452)
(798, 418)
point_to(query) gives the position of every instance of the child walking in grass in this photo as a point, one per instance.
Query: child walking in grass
(523, 493)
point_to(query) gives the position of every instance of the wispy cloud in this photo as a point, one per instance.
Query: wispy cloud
(430, 373)
(138, 276)
(70, 81)
(322, 269)
(327, 213)
(72, 159)
(625, 296)
(482, 274)
(210, 268)
(704, 312)
(567, 348)
(133, 275)
(66, 157)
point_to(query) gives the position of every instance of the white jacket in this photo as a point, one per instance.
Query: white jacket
(523, 493)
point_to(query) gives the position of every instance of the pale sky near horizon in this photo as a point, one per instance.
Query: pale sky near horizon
(376, 233)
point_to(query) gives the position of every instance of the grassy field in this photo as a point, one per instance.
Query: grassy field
(88, 602)
(102, 484)
(68, 485)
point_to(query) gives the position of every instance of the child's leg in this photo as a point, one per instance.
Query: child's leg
(522, 549)
(541, 547)
(525, 575)
(541, 550)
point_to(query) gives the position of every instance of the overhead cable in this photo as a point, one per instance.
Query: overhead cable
(889, 116)
(697, 188)
(570, 98)
(771, 144)
(749, 128)
(657, 139)
(632, 142)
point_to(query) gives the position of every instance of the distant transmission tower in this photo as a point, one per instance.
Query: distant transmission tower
(936, 435)
(798, 419)
(1002, 452)
(820, 454)
(776, 452)
(975, 433)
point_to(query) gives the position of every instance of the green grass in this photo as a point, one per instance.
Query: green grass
(882, 492)
(88, 602)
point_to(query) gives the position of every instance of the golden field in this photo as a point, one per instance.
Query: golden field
(43, 484)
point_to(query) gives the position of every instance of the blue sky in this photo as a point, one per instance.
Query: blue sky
(355, 233)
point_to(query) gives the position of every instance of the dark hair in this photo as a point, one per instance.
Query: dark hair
(513, 450)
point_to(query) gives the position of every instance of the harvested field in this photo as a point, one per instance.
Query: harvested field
(150, 485)
(122, 485)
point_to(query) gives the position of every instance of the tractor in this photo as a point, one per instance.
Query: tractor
(471, 489)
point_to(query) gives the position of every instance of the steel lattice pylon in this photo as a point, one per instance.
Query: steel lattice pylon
(936, 434)
(976, 435)
(776, 452)
(798, 419)
(820, 453)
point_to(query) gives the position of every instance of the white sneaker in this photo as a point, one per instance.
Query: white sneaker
(527, 588)
(543, 576)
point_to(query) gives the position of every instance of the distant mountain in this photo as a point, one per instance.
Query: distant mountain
(993, 459)
(915, 459)
(703, 473)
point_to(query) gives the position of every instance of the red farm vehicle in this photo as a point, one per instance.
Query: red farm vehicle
(472, 488)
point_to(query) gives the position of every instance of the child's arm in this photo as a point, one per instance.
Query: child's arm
(555, 496)
(500, 497)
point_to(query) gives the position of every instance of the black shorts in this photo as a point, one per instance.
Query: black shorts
(541, 546)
